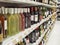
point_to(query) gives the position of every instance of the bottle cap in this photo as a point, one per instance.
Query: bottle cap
(2, 9)
(18, 10)
(6, 10)
(25, 10)
(21, 10)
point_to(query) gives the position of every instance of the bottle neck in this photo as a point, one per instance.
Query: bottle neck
(2, 10)
(15, 10)
(11, 10)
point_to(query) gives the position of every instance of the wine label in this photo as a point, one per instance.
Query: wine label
(5, 24)
(36, 17)
(32, 17)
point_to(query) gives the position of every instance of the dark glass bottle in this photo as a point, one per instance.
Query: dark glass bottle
(40, 43)
(37, 31)
(26, 40)
(26, 17)
(42, 28)
(43, 11)
(36, 14)
(29, 17)
(1, 32)
(40, 14)
(32, 15)
(32, 38)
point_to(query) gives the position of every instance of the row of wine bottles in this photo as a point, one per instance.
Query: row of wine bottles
(33, 36)
(43, 1)
(14, 20)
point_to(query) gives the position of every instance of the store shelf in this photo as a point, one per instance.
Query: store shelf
(23, 3)
(16, 38)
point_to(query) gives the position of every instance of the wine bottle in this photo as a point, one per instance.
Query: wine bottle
(1, 32)
(32, 37)
(43, 11)
(36, 14)
(29, 17)
(11, 22)
(20, 19)
(42, 28)
(26, 17)
(32, 15)
(37, 31)
(17, 19)
(23, 19)
(5, 22)
(2, 20)
(40, 14)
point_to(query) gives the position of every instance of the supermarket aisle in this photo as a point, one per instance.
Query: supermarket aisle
(54, 38)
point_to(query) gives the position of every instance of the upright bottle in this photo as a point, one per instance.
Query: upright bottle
(2, 19)
(20, 20)
(37, 31)
(29, 17)
(11, 22)
(36, 14)
(1, 32)
(16, 19)
(42, 28)
(26, 17)
(43, 11)
(5, 23)
(23, 19)
(40, 14)
(32, 15)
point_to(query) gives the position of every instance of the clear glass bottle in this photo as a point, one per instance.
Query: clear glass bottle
(17, 19)
(11, 22)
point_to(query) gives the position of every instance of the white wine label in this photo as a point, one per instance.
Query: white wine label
(5, 24)
(32, 17)
(36, 17)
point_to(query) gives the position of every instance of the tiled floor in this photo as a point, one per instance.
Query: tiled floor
(54, 38)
